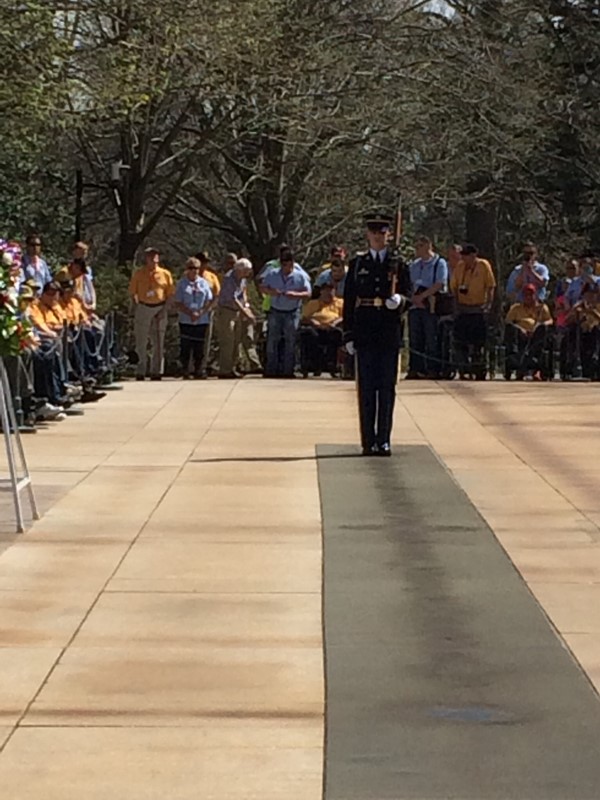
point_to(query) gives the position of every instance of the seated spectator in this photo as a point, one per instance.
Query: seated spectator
(72, 306)
(583, 279)
(83, 343)
(193, 300)
(586, 315)
(473, 285)
(335, 276)
(527, 326)
(84, 285)
(47, 314)
(530, 272)
(564, 281)
(321, 332)
(33, 266)
(48, 319)
(287, 287)
(562, 316)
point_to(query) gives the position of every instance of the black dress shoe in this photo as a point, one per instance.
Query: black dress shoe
(370, 451)
(384, 450)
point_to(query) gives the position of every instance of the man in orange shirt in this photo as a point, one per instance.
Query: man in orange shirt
(151, 287)
(71, 304)
(83, 339)
(46, 314)
(48, 320)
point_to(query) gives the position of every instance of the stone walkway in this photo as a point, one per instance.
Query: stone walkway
(160, 627)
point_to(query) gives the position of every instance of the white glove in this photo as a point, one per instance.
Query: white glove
(393, 302)
(350, 349)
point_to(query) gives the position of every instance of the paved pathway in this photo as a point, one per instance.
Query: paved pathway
(160, 628)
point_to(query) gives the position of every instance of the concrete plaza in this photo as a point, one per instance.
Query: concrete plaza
(161, 627)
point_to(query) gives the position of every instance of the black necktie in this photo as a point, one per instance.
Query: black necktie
(378, 260)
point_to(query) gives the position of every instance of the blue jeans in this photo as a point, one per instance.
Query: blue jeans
(422, 331)
(281, 333)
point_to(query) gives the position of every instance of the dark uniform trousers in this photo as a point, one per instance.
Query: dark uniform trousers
(377, 374)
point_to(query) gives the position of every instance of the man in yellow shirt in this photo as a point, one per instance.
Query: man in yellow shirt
(46, 314)
(321, 332)
(473, 284)
(525, 335)
(71, 304)
(151, 287)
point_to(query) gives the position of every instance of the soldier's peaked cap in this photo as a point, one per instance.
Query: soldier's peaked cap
(379, 218)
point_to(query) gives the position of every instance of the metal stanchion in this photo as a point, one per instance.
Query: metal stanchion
(578, 366)
(19, 478)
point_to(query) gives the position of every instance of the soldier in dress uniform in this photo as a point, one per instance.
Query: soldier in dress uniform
(373, 304)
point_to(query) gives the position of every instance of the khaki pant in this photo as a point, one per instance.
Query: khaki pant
(247, 340)
(229, 333)
(150, 322)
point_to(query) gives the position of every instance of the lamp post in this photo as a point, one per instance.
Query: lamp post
(78, 203)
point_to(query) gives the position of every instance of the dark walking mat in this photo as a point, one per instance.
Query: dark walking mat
(445, 680)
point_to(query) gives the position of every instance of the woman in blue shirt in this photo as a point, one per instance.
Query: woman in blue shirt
(194, 301)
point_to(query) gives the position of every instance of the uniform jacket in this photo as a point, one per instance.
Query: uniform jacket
(366, 280)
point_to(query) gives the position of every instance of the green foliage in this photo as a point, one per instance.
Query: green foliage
(14, 332)
(252, 123)
(112, 284)
(34, 188)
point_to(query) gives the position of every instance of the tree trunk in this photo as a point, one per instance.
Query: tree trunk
(128, 245)
(481, 221)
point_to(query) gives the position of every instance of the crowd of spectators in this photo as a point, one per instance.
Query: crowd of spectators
(278, 320)
(533, 327)
(454, 306)
(65, 359)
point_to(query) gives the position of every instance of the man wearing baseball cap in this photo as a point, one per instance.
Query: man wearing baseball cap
(472, 284)
(150, 288)
(527, 325)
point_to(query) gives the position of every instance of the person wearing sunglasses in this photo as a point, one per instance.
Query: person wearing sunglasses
(34, 267)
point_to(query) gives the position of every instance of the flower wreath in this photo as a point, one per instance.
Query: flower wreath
(15, 332)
